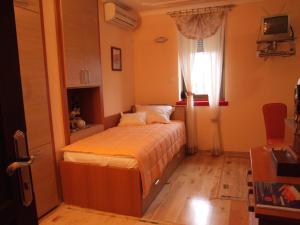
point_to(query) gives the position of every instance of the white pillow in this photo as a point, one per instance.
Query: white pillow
(156, 113)
(132, 119)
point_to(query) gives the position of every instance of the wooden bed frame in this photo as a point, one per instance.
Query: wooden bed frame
(113, 189)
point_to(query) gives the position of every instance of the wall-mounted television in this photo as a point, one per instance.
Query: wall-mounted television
(276, 27)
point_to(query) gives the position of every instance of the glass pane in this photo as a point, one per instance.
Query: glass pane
(200, 73)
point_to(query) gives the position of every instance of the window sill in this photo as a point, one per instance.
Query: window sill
(202, 103)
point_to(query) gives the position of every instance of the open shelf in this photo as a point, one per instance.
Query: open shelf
(275, 53)
(276, 47)
(276, 40)
(89, 102)
(86, 132)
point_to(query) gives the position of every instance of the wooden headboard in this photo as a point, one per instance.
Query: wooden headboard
(179, 113)
(113, 120)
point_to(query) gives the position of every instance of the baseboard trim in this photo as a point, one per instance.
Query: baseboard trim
(227, 153)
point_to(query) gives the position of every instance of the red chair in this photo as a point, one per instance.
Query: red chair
(274, 116)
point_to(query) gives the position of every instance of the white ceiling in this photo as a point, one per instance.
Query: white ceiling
(149, 5)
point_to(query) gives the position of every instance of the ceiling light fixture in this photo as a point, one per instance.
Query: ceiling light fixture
(161, 39)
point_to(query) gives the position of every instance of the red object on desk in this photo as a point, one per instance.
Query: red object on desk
(274, 116)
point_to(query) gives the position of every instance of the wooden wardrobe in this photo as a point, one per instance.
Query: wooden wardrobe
(36, 103)
(81, 43)
(82, 83)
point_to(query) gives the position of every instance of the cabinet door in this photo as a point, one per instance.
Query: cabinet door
(73, 40)
(92, 42)
(33, 77)
(32, 5)
(44, 179)
(36, 105)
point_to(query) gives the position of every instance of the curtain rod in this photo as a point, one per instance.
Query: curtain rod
(200, 10)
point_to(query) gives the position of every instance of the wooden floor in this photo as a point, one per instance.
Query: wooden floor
(72, 215)
(204, 190)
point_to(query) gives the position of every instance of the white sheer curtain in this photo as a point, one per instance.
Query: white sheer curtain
(187, 50)
(214, 47)
(205, 24)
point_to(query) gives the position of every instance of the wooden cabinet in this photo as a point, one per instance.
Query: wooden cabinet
(264, 170)
(36, 106)
(79, 35)
(80, 31)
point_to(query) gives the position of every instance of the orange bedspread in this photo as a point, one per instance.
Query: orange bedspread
(152, 145)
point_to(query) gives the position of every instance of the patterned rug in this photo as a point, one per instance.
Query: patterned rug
(233, 179)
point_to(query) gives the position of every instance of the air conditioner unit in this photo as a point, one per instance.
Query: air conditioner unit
(124, 18)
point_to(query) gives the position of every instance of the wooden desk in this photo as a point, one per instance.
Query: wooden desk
(263, 170)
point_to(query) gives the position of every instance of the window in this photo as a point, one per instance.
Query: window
(200, 70)
(201, 74)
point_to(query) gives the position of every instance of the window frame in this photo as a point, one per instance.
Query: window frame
(202, 99)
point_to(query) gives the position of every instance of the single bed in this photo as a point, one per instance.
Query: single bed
(122, 169)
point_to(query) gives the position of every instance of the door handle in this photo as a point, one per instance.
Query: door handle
(17, 165)
(23, 167)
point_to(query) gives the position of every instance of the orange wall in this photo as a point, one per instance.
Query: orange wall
(250, 81)
(155, 65)
(118, 91)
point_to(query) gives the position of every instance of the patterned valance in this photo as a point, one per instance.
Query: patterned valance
(199, 24)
